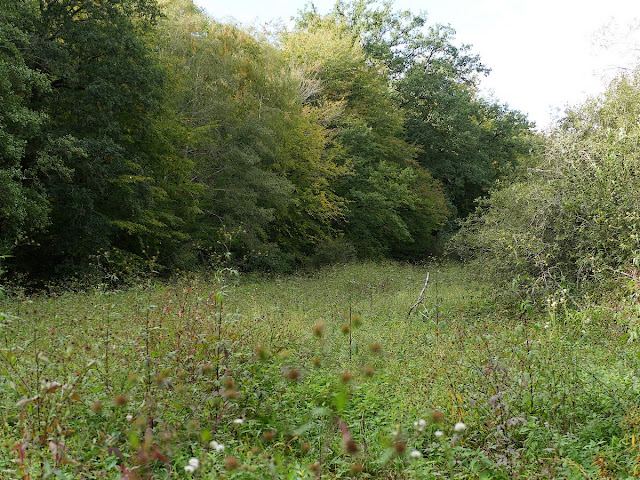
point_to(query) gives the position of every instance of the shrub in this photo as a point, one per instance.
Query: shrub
(571, 215)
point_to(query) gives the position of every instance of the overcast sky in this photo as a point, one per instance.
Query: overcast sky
(542, 52)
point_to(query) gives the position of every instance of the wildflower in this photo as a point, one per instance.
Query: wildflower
(238, 421)
(459, 427)
(438, 434)
(194, 462)
(415, 454)
(546, 325)
(189, 468)
(129, 417)
(218, 447)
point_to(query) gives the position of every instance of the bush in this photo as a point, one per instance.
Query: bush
(571, 215)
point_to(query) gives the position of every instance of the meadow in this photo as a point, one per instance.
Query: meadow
(320, 375)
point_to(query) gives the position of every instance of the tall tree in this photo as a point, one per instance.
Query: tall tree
(261, 155)
(109, 198)
(23, 203)
(380, 191)
(464, 140)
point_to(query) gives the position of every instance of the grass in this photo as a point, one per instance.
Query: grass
(314, 376)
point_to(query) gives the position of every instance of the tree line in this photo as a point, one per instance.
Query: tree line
(143, 137)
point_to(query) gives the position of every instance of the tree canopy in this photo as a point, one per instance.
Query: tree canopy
(143, 136)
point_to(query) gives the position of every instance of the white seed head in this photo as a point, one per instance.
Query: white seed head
(194, 462)
(189, 468)
(238, 421)
(416, 454)
(129, 417)
(218, 447)
(459, 427)
(422, 422)
(438, 433)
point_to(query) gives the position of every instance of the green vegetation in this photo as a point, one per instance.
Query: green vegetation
(327, 376)
(569, 217)
(141, 137)
(149, 153)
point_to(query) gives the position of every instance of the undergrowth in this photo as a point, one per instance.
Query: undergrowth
(316, 376)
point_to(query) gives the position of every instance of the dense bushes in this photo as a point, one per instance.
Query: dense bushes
(571, 215)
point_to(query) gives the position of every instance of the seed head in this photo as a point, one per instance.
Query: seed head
(437, 416)
(351, 446)
(207, 368)
(293, 374)
(318, 329)
(459, 427)
(231, 463)
(415, 454)
(218, 447)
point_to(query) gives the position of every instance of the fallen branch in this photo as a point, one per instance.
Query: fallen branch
(420, 297)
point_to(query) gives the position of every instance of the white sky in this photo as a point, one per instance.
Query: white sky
(541, 52)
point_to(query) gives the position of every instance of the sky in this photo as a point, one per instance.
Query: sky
(544, 55)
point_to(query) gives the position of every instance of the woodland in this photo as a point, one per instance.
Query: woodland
(141, 138)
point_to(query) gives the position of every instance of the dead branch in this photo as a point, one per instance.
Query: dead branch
(420, 297)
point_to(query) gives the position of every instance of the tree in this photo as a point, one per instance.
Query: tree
(382, 198)
(261, 155)
(23, 204)
(571, 215)
(109, 196)
(465, 141)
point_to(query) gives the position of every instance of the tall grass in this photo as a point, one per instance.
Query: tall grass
(313, 376)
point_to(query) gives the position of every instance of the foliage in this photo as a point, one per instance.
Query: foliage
(386, 190)
(141, 138)
(571, 216)
(23, 204)
(261, 156)
(98, 163)
(464, 140)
